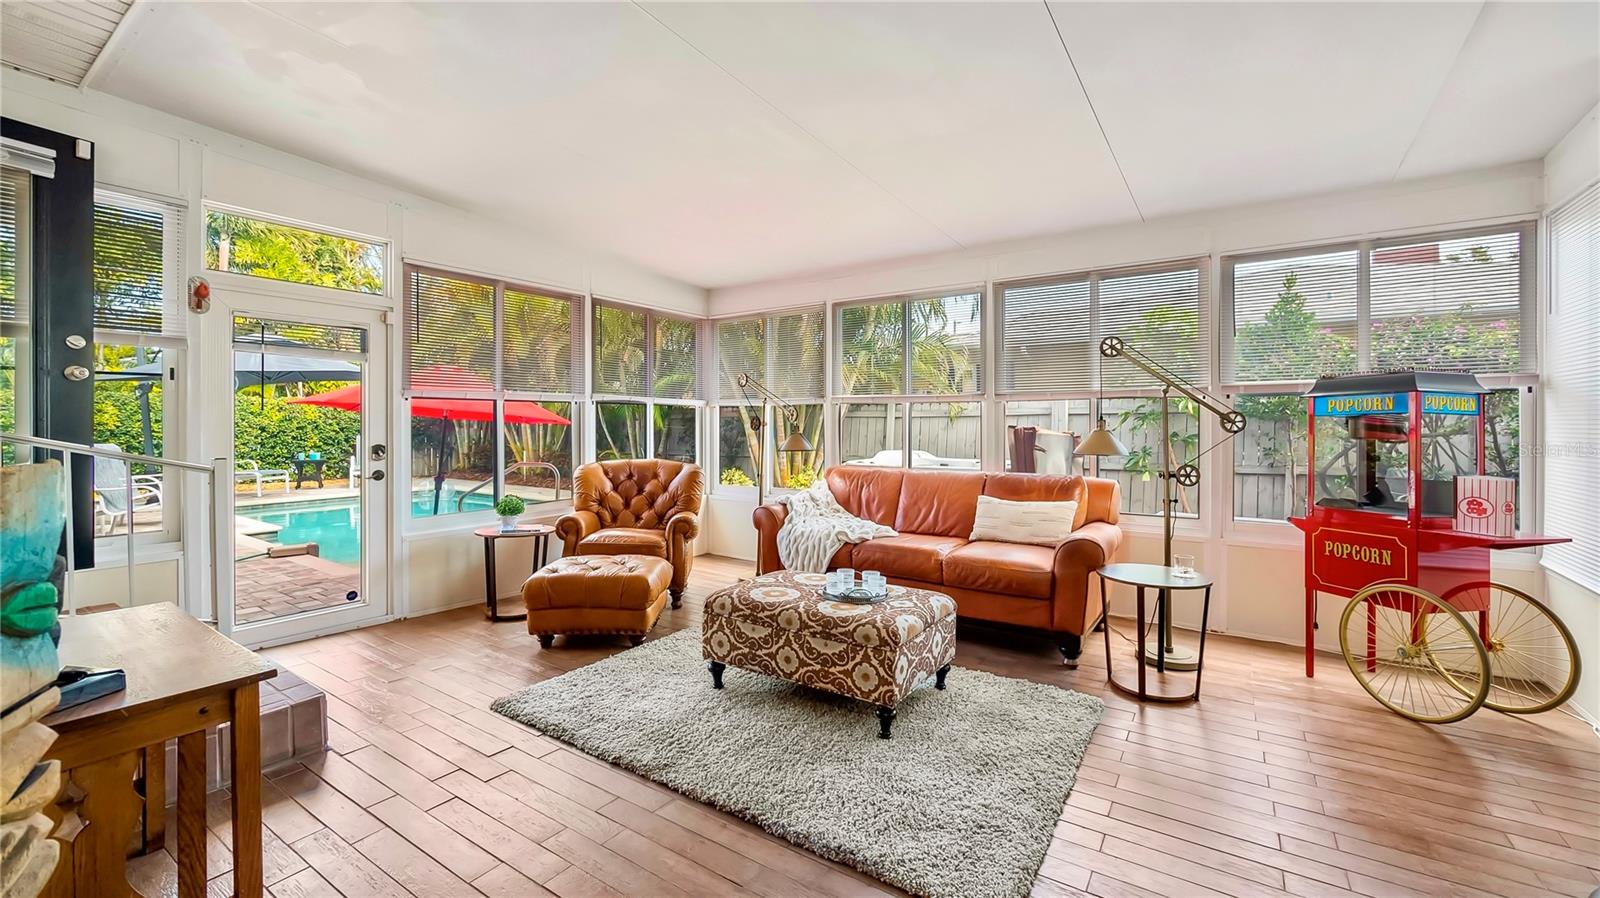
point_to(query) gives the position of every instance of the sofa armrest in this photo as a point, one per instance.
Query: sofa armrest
(769, 520)
(1089, 548)
(573, 527)
(681, 528)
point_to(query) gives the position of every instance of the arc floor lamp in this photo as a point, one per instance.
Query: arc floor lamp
(1102, 442)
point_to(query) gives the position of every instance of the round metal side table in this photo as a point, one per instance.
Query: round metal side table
(540, 533)
(1158, 577)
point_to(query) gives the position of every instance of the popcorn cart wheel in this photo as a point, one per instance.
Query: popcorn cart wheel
(1534, 663)
(1414, 653)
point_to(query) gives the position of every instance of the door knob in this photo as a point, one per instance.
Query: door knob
(76, 372)
(375, 475)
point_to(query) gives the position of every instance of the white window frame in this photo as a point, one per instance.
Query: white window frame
(769, 449)
(173, 345)
(579, 405)
(648, 398)
(1274, 532)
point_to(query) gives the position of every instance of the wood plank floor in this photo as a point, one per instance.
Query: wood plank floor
(1272, 785)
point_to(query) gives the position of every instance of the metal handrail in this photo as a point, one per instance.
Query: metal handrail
(221, 507)
(554, 472)
(119, 455)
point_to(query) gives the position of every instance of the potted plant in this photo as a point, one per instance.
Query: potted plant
(509, 508)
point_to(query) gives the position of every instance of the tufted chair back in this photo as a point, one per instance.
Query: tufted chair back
(641, 493)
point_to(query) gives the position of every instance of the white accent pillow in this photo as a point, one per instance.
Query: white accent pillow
(1034, 523)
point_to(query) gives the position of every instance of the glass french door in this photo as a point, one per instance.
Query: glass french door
(303, 397)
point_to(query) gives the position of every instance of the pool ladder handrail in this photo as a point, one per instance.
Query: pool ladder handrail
(555, 472)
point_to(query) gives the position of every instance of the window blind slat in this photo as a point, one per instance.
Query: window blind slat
(130, 275)
(13, 187)
(1453, 303)
(619, 351)
(1294, 318)
(537, 354)
(1572, 390)
(1046, 341)
(675, 358)
(450, 339)
(1160, 314)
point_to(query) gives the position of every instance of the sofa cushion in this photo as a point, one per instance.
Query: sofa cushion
(909, 556)
(1035, 523)
(1007, 568)
(618, 540)
(1040, 488)
(866, 492)
(940, 503)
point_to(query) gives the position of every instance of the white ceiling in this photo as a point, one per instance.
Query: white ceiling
(724, 143)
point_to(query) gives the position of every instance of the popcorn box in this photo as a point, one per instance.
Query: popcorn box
(1486, 505)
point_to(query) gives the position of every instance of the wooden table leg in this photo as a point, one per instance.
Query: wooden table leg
(155, 796)
(246, 744)
(192, 815)
(109, 813)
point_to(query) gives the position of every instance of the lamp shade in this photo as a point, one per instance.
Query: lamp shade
(1101, 442)
(795, 442)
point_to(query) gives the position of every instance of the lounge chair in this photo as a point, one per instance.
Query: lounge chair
(246, 469)
(111, 500)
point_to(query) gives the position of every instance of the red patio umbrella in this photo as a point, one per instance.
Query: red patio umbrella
(518, 411)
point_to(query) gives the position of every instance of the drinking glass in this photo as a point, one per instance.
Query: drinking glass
(1183, 565)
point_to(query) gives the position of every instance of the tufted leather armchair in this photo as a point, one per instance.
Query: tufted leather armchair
(636, 507)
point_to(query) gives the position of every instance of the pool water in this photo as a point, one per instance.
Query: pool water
(335, 524)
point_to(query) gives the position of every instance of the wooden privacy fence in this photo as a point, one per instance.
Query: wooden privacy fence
(1260, 473)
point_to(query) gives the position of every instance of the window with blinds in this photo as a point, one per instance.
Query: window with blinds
(1450, 302)
(450, 332)
(1572, 390)
(783, 351)
(536, 354)
(741, 349)
(1159, 313)
(674, 358)
(796, 370)
(1294, 317)
(14, 185)
(1046, 337)
(925, 345)
(872, 359)
(1050, 329)
(137, 267)
(945, 337)
(1453, 303)
(619, 351)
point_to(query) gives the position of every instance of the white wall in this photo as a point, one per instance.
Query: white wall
(151, 152)
(1259, 567)
(1571, 166)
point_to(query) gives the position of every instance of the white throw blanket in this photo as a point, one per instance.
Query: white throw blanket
(817, 526)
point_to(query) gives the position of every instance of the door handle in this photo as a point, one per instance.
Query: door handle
(375, 475)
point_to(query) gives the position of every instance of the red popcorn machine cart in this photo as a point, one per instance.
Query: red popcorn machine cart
(1401, 522)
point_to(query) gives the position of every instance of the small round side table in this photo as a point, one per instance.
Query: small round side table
(1158, 577)
(540, 533)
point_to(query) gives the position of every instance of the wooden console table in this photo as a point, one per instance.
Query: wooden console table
(183, 678)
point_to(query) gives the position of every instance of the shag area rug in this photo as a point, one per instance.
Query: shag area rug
(961, 803)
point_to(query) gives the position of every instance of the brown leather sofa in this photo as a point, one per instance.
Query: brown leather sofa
(1032, 586)
(636, 507)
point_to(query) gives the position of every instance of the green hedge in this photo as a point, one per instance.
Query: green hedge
(270, 433)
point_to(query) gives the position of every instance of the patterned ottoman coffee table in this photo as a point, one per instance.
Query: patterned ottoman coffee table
(781, 625)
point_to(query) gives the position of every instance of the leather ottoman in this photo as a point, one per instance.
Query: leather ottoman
(780, 624)
(621, 594)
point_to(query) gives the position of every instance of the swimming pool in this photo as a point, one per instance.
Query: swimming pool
(335, 524)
